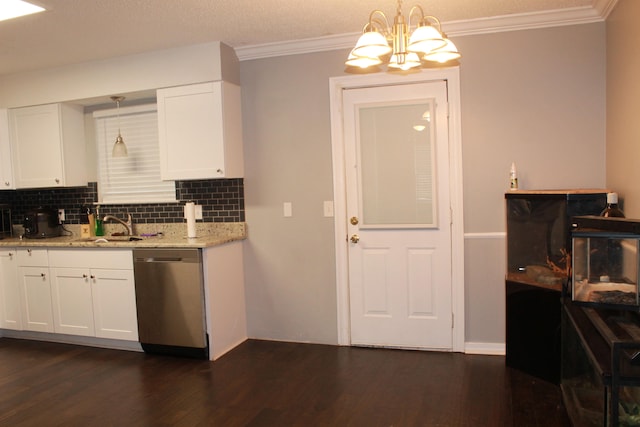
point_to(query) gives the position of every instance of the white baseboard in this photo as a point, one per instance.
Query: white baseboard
(487, 348)
(72, 339)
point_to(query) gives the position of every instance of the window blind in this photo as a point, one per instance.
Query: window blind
(135, 178)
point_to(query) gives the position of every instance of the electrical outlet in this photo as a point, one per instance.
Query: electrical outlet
(61, 216)
(198, 211)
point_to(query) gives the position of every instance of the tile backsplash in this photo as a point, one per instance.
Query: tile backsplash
(222, 200)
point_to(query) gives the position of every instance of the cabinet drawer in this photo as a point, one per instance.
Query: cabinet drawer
(32, 257)
(91, 258)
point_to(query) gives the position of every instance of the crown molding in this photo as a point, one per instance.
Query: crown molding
(524, 21)
(604, 7)
(294, 47)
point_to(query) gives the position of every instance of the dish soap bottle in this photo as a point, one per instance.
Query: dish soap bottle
(513, 178)
(612, 210)
(99, 231)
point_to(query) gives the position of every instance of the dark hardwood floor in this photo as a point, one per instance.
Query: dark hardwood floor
(263, 383)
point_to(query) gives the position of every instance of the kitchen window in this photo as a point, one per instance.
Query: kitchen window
(135, 178)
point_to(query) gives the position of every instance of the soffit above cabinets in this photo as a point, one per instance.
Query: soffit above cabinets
(73, 31)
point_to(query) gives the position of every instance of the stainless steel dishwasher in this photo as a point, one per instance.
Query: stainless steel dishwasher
(170, 301)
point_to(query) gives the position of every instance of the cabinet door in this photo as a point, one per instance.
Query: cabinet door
(47, 146)
(200, 131)
(114, 304)
(10, 291)
(6, 165)
(37, 146)
(72, 301)
(35, 290)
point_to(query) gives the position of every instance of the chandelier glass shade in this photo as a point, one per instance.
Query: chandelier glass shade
(403, 45)
(362, 61)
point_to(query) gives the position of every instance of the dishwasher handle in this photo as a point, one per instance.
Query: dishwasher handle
(147, 256)
(164, 259)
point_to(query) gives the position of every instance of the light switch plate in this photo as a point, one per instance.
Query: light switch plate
(198, 211)
(328, 208)
(288, 209)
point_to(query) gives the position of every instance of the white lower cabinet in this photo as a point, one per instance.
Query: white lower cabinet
(85, 292)
(35, 290)
(10, 312)
(114, 304)
(94, 293)
(72, 302)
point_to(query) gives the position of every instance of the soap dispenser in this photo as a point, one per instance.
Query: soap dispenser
(98, 228)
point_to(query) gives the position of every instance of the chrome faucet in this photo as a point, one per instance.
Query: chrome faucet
(128, 224)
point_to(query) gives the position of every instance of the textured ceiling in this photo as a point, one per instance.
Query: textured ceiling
(72, 31)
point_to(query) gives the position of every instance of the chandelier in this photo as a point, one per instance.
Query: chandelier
(401, 45)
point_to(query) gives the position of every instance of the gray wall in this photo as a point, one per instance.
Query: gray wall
(535, 97)
(623, 92)
(289, 262)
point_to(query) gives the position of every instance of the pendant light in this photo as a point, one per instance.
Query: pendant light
(119, 148)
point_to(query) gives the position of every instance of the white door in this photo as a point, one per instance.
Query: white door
(399, 215)
(71, 300)
(10, 291)
(36, 142)
(35, 286)
(114, 304)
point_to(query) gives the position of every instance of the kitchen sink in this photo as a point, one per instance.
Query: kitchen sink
(106, 239)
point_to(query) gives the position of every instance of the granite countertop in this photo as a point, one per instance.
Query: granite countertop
(167, 235)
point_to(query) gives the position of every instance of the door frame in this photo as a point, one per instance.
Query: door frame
(336, 85)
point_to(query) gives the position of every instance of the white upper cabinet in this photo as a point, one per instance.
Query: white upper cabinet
(47, 145)
(200, 131)
(6, 167)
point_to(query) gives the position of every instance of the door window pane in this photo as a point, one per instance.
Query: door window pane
(396, 161)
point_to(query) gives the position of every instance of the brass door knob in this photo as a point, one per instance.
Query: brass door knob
(355, 238)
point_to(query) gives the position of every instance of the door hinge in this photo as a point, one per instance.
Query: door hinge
(452, 319)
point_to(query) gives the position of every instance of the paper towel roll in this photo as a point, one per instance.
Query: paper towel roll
(190, 214)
